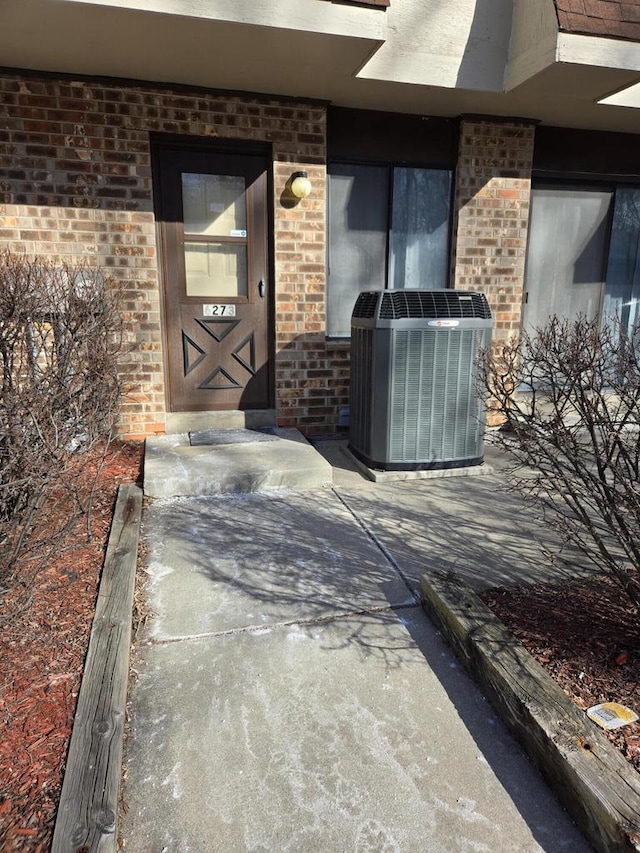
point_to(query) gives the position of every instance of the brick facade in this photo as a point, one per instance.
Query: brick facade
(75, 183)
(492, 198)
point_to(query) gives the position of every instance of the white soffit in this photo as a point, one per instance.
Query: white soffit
(608, 54)
(595, 51)
(537, 44)
(304, 15)
(628, 97)
(173, 41)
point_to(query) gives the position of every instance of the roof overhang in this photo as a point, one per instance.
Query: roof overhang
(599, 76)
(297, 48)
(428, 57)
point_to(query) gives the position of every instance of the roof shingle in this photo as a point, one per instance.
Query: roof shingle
(612, 18)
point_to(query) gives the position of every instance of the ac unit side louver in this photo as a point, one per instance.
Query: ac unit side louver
(414, 397)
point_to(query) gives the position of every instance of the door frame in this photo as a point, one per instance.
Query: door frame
(161, 142)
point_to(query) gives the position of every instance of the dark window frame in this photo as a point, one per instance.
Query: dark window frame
(385, 139)
(587, 181)
(390, 167)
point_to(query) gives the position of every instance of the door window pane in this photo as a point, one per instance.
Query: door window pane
(214, 205)
(358, 204)
(622, 295)
(419, 243)
(566, 253)
(215, 269)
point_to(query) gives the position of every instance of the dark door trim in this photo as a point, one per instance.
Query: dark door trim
(167, 148)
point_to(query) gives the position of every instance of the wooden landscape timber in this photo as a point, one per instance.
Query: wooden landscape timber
(593, 781)
(87, 814)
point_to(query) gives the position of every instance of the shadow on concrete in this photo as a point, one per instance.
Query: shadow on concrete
(471, 525)
(230, 563)
(339, 568)
(495, 744)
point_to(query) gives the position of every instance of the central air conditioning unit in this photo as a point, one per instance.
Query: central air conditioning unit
(414, 396)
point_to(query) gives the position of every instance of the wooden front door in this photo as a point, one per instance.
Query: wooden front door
(212, 210)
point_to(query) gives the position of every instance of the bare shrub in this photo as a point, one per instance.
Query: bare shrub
(60, 340)
(569, 398)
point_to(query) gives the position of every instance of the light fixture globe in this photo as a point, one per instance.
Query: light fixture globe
(300, 184)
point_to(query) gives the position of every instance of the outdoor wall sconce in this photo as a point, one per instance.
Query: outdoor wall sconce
(300, 185)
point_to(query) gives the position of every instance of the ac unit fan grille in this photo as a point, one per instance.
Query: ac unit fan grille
(421, 304)
(366, 304)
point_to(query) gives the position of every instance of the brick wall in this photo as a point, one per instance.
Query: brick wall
(493, 188)
(312, 375)
(75, 182)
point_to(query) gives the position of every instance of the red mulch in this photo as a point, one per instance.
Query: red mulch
(587, 636)
(583, 633)
(42, 654)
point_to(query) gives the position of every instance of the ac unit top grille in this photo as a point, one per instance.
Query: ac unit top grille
(417, 304)
(366, 304)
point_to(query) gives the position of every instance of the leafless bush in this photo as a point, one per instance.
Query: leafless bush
(569, 396)
(60, 338)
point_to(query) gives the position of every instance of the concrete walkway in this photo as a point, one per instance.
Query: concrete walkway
(293, 696)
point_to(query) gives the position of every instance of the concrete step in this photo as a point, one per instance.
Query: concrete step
(221, 461)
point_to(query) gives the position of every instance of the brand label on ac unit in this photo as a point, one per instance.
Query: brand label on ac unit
(444, 324)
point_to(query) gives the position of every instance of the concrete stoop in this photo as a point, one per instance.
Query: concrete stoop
(222, 461)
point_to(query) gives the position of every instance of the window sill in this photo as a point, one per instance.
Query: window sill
(379, 4)
(337, 344)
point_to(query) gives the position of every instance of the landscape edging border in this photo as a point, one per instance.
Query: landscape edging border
(88, 809)
(593, 781)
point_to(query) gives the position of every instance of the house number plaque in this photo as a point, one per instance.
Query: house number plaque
(219, 310)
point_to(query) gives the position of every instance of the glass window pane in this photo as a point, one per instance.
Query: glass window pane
(622, 295)
(566, 252)
(358, 202)
(214, 205)
(419, 247)
(216, 270)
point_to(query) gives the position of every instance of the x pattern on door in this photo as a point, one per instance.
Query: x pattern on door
(197, 352)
